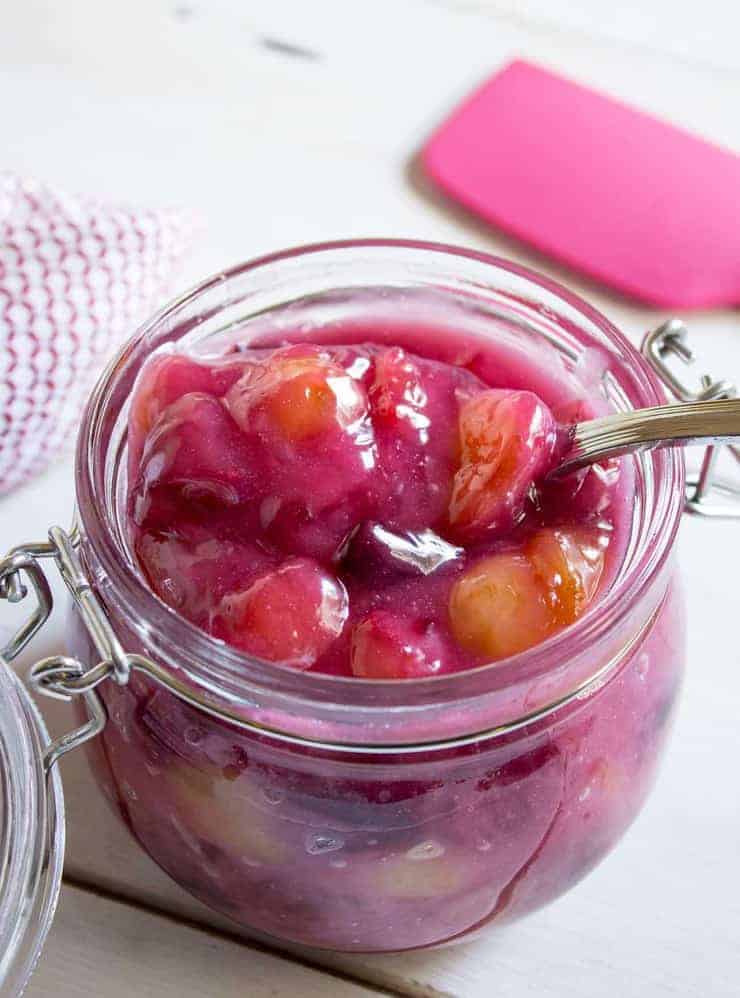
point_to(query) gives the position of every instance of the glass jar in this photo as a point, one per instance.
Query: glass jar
(31, 835)
(378, 815)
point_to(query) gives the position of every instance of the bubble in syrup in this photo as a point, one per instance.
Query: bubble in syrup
(316, 843)
(643, 664)
(130, 792)
(426, 850)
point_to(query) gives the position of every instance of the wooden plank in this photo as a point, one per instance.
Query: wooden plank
(102, 947)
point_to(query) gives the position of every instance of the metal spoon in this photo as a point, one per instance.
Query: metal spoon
(679, 423)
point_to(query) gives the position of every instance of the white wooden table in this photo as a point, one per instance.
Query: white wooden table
(285, 122)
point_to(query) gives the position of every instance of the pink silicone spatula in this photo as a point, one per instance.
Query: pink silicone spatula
(639, 205)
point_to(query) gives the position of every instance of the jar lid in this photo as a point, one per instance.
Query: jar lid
(31, 834)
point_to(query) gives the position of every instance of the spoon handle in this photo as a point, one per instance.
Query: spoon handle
(682, 423)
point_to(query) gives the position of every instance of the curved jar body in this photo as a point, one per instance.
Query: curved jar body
(385, 816)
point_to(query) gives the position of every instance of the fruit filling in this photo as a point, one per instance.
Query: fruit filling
(361, 509)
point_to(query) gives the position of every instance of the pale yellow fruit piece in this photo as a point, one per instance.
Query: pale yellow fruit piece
(223, 813)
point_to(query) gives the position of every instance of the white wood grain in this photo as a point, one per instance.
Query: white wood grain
(101, 948)
(693, 34)
(141, 102)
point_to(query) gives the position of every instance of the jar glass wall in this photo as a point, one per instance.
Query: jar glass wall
(378, 815)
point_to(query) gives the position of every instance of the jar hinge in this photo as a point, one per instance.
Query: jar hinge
(707, 494)
(61, 676)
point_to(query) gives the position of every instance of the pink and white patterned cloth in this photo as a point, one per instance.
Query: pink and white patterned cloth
(76, 278)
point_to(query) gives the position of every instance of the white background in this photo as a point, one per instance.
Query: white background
(194, 104)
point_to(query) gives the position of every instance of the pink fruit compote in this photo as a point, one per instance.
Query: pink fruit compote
(358, 510)
(377, 506)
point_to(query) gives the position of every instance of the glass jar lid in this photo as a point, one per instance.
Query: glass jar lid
(31, 834)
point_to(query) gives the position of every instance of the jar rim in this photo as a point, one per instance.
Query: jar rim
(224, 670)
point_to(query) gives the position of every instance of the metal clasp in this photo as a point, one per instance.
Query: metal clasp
(707, 494)
(61, 676)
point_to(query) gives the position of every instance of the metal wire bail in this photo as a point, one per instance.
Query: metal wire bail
(707, 494)
(64, 677)
(59, 676)
(13, 568)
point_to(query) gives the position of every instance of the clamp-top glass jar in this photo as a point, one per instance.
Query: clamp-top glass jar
(375, 814)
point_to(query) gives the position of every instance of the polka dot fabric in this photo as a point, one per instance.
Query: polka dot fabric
(76, 277)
